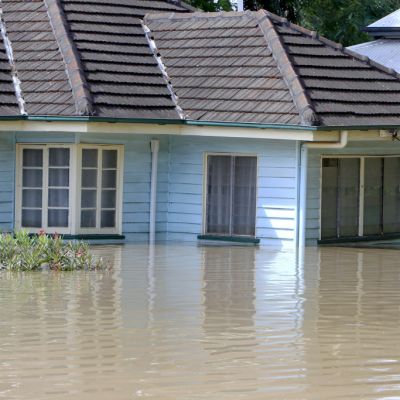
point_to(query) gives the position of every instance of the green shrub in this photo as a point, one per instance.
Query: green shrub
(22, 252)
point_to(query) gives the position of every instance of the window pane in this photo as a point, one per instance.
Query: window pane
(32, 157)
(58, 177)
(218, 194)
(108, 219)
(89, 178)
(373, 196)
(109, 179)
(31, 218)
(58, 197)
(108, 198)
(88, 219)
(110, 158)
(89, 158)
(391, 195)
(58, 218)
(32, 198)
(32, 178)
(348, 196)
(88, 198)
(330, 169)
(244, 196)
(59, 157)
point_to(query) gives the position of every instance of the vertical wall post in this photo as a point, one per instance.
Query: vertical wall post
(240, 5)
(154, 145)
(303, 198)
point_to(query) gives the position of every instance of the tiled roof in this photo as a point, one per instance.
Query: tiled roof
(222, 69)
(8, 101)
(121, 72)
(208, 56)
(99, 58)
(38, 62)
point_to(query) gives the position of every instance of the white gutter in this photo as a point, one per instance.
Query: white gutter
(302, 201)
(155, 145)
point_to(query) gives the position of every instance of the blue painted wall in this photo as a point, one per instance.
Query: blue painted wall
(180, 182)
(276, 201)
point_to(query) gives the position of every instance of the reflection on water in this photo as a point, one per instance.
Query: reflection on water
(187, 322)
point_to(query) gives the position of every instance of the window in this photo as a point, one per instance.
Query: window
(99, 182)
(231, 195)
(360, 196)
(69, 189)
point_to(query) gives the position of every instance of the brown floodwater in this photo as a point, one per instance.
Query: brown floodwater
(187, 322)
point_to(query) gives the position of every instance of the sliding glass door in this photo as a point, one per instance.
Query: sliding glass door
(340, 197)
(231, 195)
(360, 196)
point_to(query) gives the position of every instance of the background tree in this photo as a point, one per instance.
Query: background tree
(338, 20)
(211, 5)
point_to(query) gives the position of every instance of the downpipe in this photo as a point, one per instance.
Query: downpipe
(154, 146)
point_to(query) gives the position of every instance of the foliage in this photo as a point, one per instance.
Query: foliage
(338, 20)
(22, 252)
(210, 5)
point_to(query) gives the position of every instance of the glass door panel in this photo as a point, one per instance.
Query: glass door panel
(348, 196)
(391, 195)
(108, 188)
(330, 171)
(89, 183)
(219, 187)
(58, 188)
(244, 196)
(373, 191)
(32, 188)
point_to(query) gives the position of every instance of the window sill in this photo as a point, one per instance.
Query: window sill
(93, 237)
(351, 239)
(235, 239)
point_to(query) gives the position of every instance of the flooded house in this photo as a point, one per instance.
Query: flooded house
(143, 120)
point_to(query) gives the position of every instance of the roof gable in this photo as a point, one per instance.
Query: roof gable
(285, 73)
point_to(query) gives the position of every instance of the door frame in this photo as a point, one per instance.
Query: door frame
(361, 196)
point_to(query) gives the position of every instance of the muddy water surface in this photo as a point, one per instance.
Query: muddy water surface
(187, 322)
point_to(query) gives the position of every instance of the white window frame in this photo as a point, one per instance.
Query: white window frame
(205, 186)
(119, 195)
(45, 187)
(74, 188)
(361, 185)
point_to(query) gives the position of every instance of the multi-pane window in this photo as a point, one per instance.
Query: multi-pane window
(231, 195)
(45, 187)
(99, 188)
(58, 194)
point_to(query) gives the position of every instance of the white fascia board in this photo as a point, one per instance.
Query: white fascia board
(251, 133)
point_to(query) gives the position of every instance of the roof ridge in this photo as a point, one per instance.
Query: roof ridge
(163, 70)
(303, 104)
(165, 16)
(337, 46)
(80, 89)
(13, 68)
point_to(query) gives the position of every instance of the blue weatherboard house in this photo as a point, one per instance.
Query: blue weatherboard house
(143, 120)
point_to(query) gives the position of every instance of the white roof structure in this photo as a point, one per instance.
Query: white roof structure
(385, 49)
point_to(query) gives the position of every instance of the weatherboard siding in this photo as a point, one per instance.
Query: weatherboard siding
(276, 181)
(314, 177)
(7, 185)
(180, 190)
